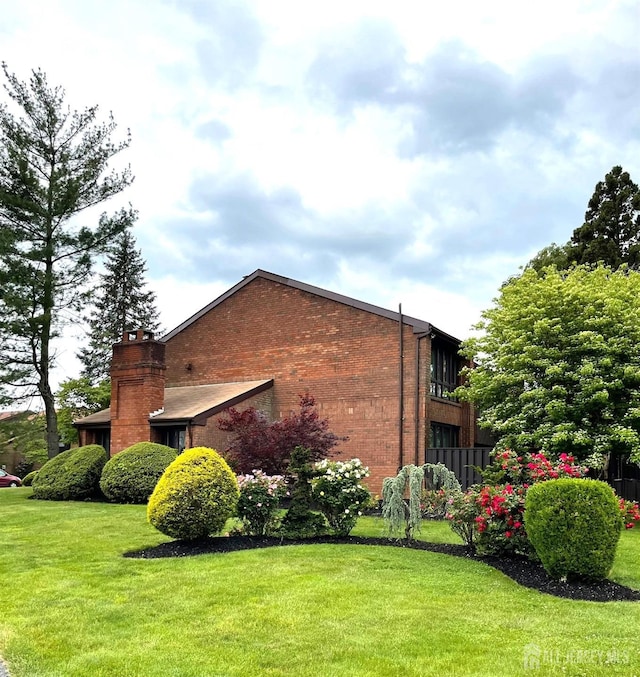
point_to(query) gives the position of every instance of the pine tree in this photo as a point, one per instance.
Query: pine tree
(54, 163)
(122, 304)
(611, 229)
(610, 233)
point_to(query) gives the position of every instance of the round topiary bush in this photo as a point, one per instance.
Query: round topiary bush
(574, 526)
(27, 480)
(73, 475)
(131, 475)
(195, 496)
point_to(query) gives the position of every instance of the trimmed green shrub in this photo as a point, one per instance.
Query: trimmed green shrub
(73, 475)
(574, 526)
(131, 475)
(27, 480)
(300, 521)
(195, 496)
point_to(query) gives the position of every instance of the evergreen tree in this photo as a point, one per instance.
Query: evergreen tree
(54, 163)
(610, 233)
(611, 229)
(122, 304)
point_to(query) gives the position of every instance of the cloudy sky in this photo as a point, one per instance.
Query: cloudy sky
(397, 152)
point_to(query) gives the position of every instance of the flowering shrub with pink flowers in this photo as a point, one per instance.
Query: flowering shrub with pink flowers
(260, 496)
(434, 502)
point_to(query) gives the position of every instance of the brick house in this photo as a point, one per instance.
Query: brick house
(380, 377)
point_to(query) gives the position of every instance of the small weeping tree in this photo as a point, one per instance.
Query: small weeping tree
(401, 495)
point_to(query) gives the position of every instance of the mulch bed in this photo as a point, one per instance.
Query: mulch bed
(526, 573)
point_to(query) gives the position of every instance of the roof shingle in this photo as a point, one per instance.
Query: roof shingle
(190, 403)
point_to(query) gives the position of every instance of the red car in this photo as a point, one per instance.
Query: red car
(7, 480)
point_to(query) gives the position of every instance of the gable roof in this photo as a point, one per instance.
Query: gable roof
(190, 404)
(419, 326)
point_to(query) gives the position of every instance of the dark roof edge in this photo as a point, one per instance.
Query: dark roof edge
(444, 336)
(418, 325)
(99, 424)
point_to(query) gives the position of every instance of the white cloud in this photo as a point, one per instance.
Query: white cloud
(395, 152)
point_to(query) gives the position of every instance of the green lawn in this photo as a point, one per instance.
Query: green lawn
(73, 606)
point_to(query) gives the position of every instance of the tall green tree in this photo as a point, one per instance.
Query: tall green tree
(121, 304)
(610, 233)
(559, 364)
(78, 397)
(54, 164)
(611, 229)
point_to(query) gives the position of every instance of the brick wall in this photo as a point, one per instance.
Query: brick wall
(211, 436)
(137, 389)
(347, 358)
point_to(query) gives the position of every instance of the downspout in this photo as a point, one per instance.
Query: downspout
(401, 388)
(416, 413)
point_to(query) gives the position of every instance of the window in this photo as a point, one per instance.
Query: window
(174, 437)
(442, 435)
(103, 438)
(444, 371)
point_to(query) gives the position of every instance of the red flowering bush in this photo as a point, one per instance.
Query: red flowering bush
(630, 513)
(509, 467)
(500, 522)
(491, 516)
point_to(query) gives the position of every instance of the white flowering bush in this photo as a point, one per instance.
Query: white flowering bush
(260, 496)
(339, 493)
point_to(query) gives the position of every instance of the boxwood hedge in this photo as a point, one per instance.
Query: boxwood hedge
(131, 475)
(574, 526)
(195, 496)
(73, 475)
(27, 480)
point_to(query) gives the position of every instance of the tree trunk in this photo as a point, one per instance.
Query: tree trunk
(53, 439)
(44, 386)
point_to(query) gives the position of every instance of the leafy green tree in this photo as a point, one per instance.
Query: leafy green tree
(54, 163)
(559, 364)
(611, 229)
(121, 304)
(556, 255)
(25, 433)
(76, 398)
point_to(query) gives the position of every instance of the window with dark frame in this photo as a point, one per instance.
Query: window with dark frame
(174, 437)
(103, 438)
(444, 371)
(442, 436)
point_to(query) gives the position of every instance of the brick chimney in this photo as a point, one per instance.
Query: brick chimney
(137, 387)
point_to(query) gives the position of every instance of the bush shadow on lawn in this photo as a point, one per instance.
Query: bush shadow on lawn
(523, 571)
